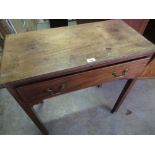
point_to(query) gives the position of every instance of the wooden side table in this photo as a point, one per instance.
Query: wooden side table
(42, 64)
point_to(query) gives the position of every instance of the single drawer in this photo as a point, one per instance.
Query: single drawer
(42, 90)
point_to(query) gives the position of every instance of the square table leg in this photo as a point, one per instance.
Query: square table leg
(129, 84)
(29, 111)
(28, 108)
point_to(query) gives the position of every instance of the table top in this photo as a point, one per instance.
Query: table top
(36, 53)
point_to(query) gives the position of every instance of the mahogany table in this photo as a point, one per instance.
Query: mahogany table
(42, 64)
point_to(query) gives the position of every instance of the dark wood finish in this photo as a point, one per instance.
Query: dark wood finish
(149, 71)
(43, 64)
(28, 110)
(77, 70)
(67, 48)
(123, 94)
(138, 24)
(42, 90)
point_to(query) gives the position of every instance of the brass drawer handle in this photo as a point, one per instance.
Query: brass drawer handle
(120, 76)
(57, 90)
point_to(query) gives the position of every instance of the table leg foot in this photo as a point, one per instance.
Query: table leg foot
(29, 111)
(32, 114)
(129, 84)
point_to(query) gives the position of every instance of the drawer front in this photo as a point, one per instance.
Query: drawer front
(42, 90)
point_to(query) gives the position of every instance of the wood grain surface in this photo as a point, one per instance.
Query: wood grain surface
(138, 24)
(41, 90)
(37, 53)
